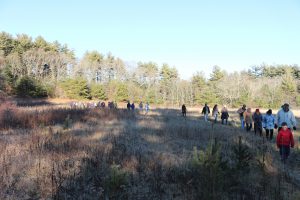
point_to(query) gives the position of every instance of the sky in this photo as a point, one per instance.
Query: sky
(191, 35)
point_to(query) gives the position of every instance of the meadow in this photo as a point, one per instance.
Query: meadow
(50, 151)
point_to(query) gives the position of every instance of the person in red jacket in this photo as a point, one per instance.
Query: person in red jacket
(285, 140)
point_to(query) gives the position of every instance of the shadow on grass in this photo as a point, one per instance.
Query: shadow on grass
(122, 154)
(153, 160)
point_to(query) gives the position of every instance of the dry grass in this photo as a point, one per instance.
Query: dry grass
(53, 152)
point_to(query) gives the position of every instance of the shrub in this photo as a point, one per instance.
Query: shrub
(97, 91)
(116, 179)
(211, 171)
(8, 112)
(122, 92)
(27, 86)
(76, 88)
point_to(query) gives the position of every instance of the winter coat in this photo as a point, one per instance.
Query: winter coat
(224, 114)
(285, 137)
(268, 121)
(287, 117)
(215, 112)
(257, 119)
(241, 112)
(248, 117)
(205, 110)
(183, 109)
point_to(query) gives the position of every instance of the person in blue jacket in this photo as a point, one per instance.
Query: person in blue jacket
(268, 124)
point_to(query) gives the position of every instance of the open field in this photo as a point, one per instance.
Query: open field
(49, 151)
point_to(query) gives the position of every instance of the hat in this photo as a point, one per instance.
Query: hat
(283, 124)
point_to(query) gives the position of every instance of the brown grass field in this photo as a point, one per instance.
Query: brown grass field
(49, 151)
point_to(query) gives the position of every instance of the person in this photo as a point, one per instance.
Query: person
(128, 105)
(147, 108)
(215, 112)
(241, 111)
(268, 124)
(224, 115)
(110, 105)
(248, 119)
(132, 106)
(285, 115)
(205, 112)
(183, 110)
(115, 105)
(284, 141)
(141, 106)
(257, 119)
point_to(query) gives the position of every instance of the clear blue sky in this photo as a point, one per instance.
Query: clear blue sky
(190, 35)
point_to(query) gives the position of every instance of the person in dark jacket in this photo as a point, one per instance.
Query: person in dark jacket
(183, 110)
(205, 112)
(128, 105)
(257, 119)
(132, 106)
(224, 115)
(284, 141)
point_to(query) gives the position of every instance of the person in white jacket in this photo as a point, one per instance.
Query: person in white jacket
(285, 115)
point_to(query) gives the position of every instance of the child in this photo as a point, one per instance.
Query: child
(285, 140)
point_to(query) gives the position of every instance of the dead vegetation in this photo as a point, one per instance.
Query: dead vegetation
(58, 153)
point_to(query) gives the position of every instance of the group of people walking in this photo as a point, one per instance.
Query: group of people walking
(268, 121)
(284, 120)
(216, 113)
(141, 106)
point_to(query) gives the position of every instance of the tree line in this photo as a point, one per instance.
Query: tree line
(38, 68)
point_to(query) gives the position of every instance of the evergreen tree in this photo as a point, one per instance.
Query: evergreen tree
(76, 88)
(97, 91)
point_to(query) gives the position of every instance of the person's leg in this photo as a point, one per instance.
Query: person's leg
(255, 128)
(267, 133)
(281, 152)
(260, 131)
(287, 151)
(247, 126)
(242, 123)
(271, 134)
(205, 117)
(226, 121)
